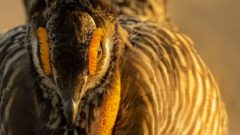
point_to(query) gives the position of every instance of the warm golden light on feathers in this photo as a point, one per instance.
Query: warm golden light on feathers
(44, 50)
(110, 107)
(93, 50)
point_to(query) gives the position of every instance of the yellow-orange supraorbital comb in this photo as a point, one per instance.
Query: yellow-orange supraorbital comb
(44, 50)
(93, 50)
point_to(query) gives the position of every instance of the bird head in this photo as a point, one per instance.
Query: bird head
(75, 47)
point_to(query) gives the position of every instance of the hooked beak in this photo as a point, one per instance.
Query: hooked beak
(71, 101)
(71, 110)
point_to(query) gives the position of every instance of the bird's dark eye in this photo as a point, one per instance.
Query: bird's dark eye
(100, 52)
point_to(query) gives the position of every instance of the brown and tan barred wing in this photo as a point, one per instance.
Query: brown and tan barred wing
(17, 110)
(166, 87)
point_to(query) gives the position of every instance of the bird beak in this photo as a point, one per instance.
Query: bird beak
(71, 110)
(71, 101)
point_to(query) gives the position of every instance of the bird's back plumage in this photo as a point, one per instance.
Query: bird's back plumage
(167, 88)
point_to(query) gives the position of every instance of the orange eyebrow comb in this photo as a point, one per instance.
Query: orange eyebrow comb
(93, 50)
(44, 50)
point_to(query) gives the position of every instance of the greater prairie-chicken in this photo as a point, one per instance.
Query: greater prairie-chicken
(95, 67)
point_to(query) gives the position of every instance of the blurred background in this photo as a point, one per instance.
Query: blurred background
(214, 26)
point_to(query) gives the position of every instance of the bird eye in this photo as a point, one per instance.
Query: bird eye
(44, 50)
(99, 52)
(95, 50)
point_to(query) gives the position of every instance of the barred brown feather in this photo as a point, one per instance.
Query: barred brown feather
(167, 89)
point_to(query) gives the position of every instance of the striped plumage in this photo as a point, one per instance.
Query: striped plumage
(166, 89)
(176, 93)
(16, 102)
